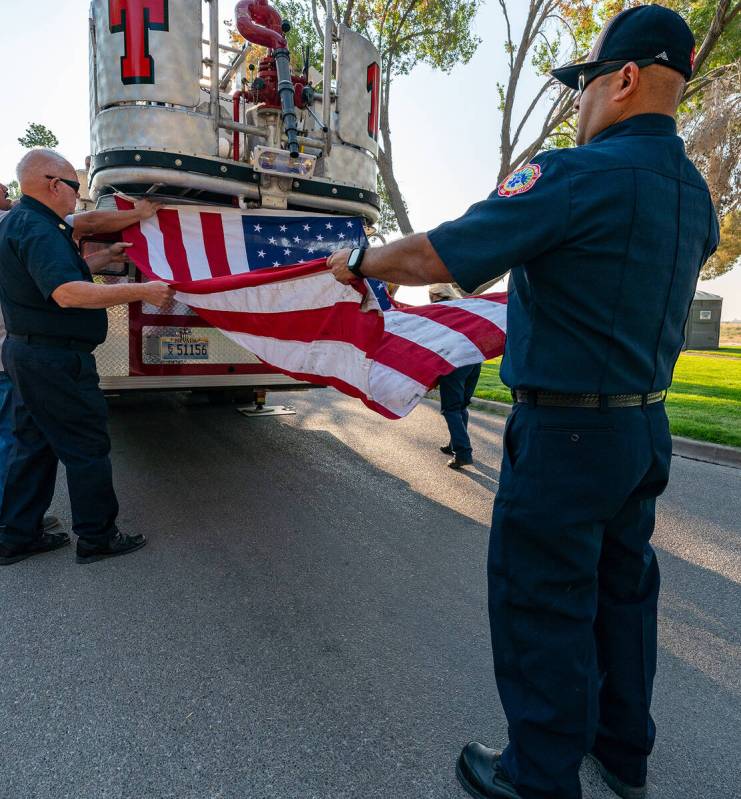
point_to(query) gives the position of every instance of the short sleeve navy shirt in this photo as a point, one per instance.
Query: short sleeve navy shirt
(37, 256)
(605, 243)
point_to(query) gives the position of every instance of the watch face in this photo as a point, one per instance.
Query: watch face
(353, 259)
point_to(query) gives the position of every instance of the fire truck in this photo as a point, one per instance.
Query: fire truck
(186, 118)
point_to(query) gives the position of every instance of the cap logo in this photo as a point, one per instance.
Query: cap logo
(692, 59)
(663, 56)
(520, 181)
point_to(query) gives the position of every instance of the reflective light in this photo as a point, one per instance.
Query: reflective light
(278, 162)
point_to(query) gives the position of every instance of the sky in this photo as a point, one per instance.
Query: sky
(445, 128)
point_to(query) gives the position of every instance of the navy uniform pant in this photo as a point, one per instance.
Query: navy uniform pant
(60, 414)
(573, 588)
(456, 390)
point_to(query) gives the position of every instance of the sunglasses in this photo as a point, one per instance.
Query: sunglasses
(73, 184)
(586, 76)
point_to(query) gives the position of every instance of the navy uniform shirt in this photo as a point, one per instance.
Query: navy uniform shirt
(37, 256)
(605, 243)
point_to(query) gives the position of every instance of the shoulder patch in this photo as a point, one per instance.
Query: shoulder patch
(520, 181)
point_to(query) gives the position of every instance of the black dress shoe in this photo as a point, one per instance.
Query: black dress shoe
(459, 463)
(480, 773)
(120, 544)
(49, 523)
(447, 450)
(47, 542)
(622, 789)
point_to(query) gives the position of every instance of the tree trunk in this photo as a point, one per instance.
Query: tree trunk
(385, 157)
(386, 168)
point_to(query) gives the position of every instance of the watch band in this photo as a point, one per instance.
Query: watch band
(355, 261)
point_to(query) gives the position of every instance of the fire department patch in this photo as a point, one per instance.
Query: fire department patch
(520, 181)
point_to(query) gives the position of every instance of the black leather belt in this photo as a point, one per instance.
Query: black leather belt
(555, 400)
(56, 341)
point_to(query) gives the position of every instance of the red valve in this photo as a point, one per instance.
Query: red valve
(259, 23)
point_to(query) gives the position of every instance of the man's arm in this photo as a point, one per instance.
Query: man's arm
(81, 294)
(92, 223)
(526, 216)
(115, 254)
(411, 261)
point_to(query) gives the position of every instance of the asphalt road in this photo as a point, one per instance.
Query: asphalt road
(309, 619)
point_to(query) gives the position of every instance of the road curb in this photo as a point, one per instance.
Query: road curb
(704, 451)
(681, 447)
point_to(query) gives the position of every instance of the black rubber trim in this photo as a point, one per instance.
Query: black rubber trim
(203, 197)
(232, 171)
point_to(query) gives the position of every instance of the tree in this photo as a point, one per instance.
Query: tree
(556, 32)
(406, 33)
(37, 135)
(711, 126)
(14, 190)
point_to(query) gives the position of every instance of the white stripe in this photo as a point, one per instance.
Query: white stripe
(456, 348)
(396, 391)
(494, 312)
(337, 359)
(299, 294)
(236, 251)
(195, 249)
(150, 229)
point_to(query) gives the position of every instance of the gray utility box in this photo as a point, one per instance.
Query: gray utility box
(703, 324)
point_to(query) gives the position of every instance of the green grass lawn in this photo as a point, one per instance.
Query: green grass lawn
(704, 401)
(721, 352)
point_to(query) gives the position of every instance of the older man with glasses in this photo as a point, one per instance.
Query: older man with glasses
(83, 224)
(6, 393)
(55, 317)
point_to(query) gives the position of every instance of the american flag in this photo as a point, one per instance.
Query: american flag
(279, 241)
(262, 279)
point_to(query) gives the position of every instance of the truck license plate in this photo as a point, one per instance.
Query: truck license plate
(174, 348)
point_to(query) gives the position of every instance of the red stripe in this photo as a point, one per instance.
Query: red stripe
(345, 323)
(139, 252)
(345, 388)
(175, 253)
(213, 240)
(341, 322)
(412, 359)
(483, 333)
(259, 277)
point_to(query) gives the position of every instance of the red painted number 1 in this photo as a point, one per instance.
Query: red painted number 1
(135, 18)
(374, 87)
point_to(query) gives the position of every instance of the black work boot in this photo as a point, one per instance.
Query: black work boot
(480, 773)
(46, 542)
(49, 523)
(459, 463)
(120, 544)
(622, 789)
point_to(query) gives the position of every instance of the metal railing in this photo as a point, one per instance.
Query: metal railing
(218, 84)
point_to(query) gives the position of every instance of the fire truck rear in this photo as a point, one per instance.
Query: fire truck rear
(183, 118)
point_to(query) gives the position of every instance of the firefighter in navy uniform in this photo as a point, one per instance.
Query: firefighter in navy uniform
(55, 317)
(605, 242)
(456, 391)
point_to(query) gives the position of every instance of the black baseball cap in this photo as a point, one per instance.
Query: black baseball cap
(652, 34)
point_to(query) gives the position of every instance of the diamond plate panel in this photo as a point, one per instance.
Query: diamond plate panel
(173, 308)
(112, 356)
